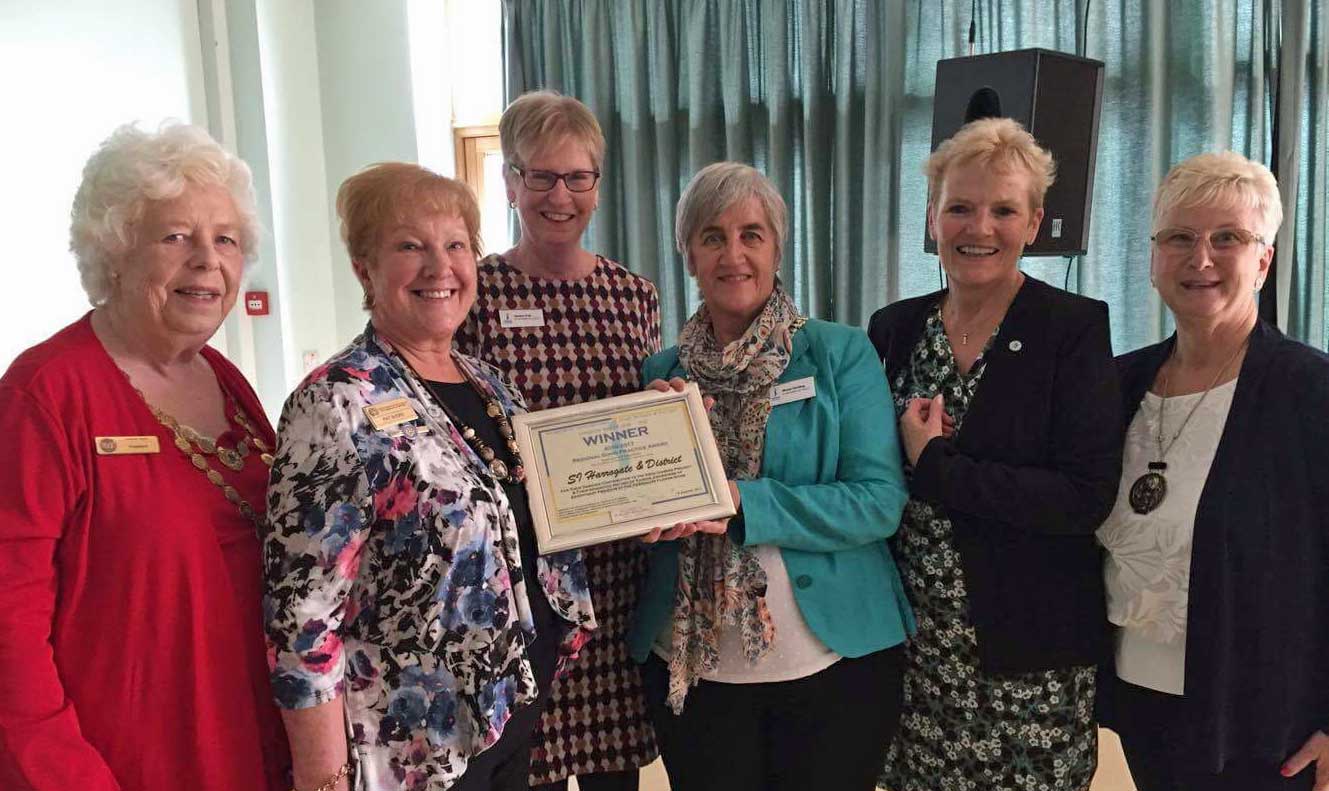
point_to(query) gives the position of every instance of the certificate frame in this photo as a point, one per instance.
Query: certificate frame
(646, 460)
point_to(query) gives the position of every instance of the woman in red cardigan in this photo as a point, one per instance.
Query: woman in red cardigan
(136, 460)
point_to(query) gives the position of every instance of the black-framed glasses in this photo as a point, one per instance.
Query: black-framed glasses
(544, 180)
(1222, 241)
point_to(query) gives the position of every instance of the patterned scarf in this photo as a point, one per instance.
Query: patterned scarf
(721, 584)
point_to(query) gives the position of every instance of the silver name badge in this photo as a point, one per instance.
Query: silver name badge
(534, 317)
(797, 390)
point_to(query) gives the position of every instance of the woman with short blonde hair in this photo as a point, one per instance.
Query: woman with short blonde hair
(1216, 551)
(1009, 479)
(567, 326)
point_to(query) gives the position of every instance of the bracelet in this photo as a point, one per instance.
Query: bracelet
(331, 781)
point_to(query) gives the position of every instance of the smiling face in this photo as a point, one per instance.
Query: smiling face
(733, 257)
(182, 273)
(982, 220)
(1204, 284)
(420, 279)
(558, 216)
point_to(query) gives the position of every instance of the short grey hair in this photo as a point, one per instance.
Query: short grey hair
(720, 185)
(1224, 179)
(133, 167)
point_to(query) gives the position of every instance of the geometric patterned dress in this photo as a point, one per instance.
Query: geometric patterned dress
(587, 341)
(962, 729)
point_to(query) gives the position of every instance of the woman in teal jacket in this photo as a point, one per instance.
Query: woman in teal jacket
(777, 633)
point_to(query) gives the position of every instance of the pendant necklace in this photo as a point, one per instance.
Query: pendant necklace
(493, 409)
(964, 336)
(1149, 489)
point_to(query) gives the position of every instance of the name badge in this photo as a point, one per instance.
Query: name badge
(390, 413)
(126, 446)
(534, 317)
(797, 390)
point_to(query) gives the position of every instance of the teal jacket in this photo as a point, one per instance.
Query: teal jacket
(831, 492)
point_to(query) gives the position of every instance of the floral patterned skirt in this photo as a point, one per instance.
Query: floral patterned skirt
(964, 730)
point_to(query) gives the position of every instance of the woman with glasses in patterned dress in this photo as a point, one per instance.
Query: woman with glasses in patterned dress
(566, 325)
(1218, 545)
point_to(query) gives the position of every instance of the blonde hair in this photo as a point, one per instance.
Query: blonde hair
(542, 118)
(390, 192)
(1224, 179)
(997, 143)
(720, 185)
(133, 167)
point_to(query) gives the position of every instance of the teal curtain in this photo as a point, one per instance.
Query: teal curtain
(805, 90)
(833, 100)
(1307, 289)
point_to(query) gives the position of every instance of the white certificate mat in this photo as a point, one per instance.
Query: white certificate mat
(618, 467)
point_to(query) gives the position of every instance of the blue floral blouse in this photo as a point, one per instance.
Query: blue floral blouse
(392, 576)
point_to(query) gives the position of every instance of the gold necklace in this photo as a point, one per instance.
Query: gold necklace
(964, 336)
(493, 409)
(198, 458)
(497, 467)
(1149, 489)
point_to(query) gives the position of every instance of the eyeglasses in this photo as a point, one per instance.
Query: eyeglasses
(544, 180)
(1222, 241)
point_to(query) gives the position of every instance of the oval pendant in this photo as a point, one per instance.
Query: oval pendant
(230, 458)
(499, 469)
(1147, 492)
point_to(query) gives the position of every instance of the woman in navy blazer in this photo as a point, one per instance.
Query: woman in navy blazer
(1218, 546)
(996, 546)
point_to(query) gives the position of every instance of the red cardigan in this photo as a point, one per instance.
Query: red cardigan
(131, 646)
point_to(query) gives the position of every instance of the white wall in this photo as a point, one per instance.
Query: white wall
(72, 71)
(288, 55)
(306, 91)
(368, 115)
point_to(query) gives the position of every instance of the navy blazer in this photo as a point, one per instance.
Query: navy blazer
(1029, 477)
(1257, 623)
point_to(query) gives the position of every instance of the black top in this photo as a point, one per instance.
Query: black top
(465, 403)
(1257, 632)
(1030, 476)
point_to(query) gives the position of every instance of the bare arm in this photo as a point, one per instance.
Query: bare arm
(318, 744)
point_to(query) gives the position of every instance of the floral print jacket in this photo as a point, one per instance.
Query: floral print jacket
(392, 576)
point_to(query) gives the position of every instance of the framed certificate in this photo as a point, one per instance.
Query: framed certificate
(617, 468)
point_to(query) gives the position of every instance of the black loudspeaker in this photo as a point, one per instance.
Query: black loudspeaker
(1057, 97)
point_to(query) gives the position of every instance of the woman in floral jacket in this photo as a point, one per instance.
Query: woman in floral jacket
(410, 648)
